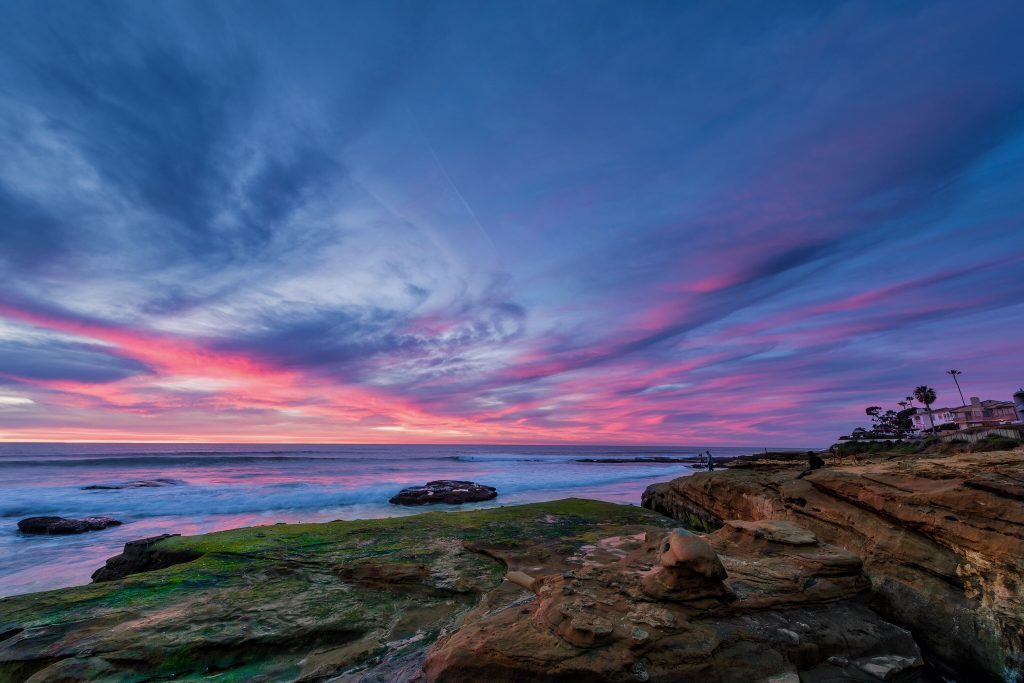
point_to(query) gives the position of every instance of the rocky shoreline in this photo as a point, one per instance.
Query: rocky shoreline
(859, 573)
(941, 537)
(594, 591)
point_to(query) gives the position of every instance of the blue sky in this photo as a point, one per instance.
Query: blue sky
(604, 222)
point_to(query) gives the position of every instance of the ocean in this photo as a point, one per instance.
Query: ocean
(211, 487)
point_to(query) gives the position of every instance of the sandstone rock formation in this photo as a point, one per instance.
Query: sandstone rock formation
(447, 491)
(594, 591)
(941, 537)
(748, 603)
(63, 526)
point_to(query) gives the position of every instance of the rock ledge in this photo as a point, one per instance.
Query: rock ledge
(941, 537)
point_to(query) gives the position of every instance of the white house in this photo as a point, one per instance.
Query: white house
(940, 415)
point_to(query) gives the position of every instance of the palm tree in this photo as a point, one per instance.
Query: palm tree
(955, 381)
(926, 395)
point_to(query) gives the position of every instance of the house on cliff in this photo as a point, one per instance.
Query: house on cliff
(977, 413)
(985, 413)
(941, 416)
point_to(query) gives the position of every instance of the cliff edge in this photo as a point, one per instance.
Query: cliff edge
(941, 538)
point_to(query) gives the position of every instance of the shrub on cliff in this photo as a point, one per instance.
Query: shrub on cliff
(861, 447)
(994, 443)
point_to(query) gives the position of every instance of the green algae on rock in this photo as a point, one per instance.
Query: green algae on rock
(293, 602)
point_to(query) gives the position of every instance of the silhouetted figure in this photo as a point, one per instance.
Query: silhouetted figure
(813, 463)
(711, 462)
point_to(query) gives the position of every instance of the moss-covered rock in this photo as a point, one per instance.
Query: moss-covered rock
(293, 602)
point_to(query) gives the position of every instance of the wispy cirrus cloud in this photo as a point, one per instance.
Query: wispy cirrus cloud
(503, 224)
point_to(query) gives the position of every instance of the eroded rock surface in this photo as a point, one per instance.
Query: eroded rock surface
(449, 491)
(567, 590)
(359, 600)
(941, 537)
(743, 604)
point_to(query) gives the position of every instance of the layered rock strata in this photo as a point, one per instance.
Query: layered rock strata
(752, 602)
(941, 537)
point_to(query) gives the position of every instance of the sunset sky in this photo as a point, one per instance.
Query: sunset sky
(733, 223)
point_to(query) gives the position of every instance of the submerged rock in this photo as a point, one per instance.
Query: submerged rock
(941, 537)
(653, 458)
(64, 526)
(448, 491)
(141, 484)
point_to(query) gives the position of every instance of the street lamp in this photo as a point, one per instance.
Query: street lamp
(954, 373)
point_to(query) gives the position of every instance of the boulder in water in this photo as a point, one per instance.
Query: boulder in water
(63, 525)
(448, 491)
(141, 484)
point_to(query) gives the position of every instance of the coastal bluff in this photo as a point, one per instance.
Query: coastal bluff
(567, 590)
(941, 538)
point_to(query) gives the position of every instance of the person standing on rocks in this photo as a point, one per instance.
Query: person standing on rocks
(711, 462)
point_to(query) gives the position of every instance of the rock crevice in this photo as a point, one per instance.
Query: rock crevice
(750, 602)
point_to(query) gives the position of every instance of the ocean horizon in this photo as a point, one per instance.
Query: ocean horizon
(194, 488)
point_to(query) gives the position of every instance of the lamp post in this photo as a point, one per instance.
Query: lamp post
(954, 373)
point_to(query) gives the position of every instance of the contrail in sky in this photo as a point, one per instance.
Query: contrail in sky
(451, 183)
